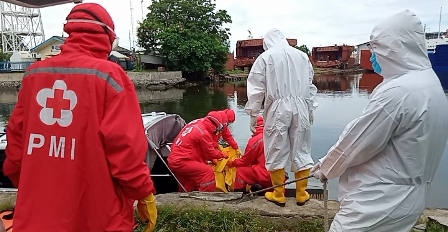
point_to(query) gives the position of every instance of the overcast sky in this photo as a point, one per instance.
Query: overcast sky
(314, 23)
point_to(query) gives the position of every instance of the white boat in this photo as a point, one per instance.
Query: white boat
(161, 129)
(435, 38)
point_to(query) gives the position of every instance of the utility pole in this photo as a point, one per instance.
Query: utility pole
(142, 11)
(132, 23)
(440, 21)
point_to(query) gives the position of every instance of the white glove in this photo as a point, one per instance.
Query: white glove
(253, 123)
(320, 176)
(317, 172)
(316, 167)
(311, 117)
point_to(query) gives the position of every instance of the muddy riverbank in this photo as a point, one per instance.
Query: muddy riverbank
(335, 71)
(141, 80)
(241, 76)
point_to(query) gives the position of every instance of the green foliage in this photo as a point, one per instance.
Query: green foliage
(4, 56)
(201, 219)
(433, 226)
(138, 67)
(189, 33)
(304, 49)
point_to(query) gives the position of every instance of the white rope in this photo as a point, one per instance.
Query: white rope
(326, 220)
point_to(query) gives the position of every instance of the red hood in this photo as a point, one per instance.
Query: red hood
(89, 38)
(230, 115)
(213, 119)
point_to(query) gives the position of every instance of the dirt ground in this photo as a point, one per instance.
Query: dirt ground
(314, 208)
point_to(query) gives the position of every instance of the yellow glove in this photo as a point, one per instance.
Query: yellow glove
(238, 153)
(147, 211)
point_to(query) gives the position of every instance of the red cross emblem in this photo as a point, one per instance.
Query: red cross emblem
(58, 103)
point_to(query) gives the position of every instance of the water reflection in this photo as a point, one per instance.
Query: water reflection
(341, 99)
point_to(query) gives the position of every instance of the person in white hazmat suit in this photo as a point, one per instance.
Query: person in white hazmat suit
(282, 76)
(386, 158)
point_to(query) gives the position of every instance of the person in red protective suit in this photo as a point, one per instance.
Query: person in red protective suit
(77, 130)
(191, 150)
(251, 167)
(215, 137)
(226, 134)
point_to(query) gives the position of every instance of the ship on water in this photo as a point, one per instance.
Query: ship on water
(437, 46)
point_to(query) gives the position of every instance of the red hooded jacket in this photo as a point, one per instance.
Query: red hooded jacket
(226, 133)
(254, 153)
(195, 143)
(76, 143)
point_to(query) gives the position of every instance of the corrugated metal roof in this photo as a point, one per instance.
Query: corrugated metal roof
(118, 55)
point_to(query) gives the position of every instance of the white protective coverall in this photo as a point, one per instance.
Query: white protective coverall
(387, 157)
(282, 76)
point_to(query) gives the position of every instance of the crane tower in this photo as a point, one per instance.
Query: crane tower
(21, 27)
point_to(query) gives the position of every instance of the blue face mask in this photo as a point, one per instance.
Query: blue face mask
(376, 67)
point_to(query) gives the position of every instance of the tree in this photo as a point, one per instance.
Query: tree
(188, 33)
(304, 49)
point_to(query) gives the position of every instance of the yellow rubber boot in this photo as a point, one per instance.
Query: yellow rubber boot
(278, 195)
(302, 196)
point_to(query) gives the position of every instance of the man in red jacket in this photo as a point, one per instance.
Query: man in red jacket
(76, 142)
(191, 150)
(251, 167)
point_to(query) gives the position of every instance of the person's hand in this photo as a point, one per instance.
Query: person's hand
(230, 164)
(311, 117)
(147, 210)
(320, 175)
(317, 172)
(253, 123)
(316, 167)
(238, 153)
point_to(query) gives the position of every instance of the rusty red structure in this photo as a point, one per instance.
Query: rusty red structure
(248, 50)
(333, 56)
(365, 60)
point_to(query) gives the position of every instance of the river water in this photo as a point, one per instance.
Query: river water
(341, 99)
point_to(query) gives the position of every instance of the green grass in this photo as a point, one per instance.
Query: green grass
(434, 227)
(199, 219)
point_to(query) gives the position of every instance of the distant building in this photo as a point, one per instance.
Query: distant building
(247, 52)
(49, 48)
(363, 56)
(122, 56)
(336, 56)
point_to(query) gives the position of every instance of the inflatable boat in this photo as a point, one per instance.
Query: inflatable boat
(160, 128)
